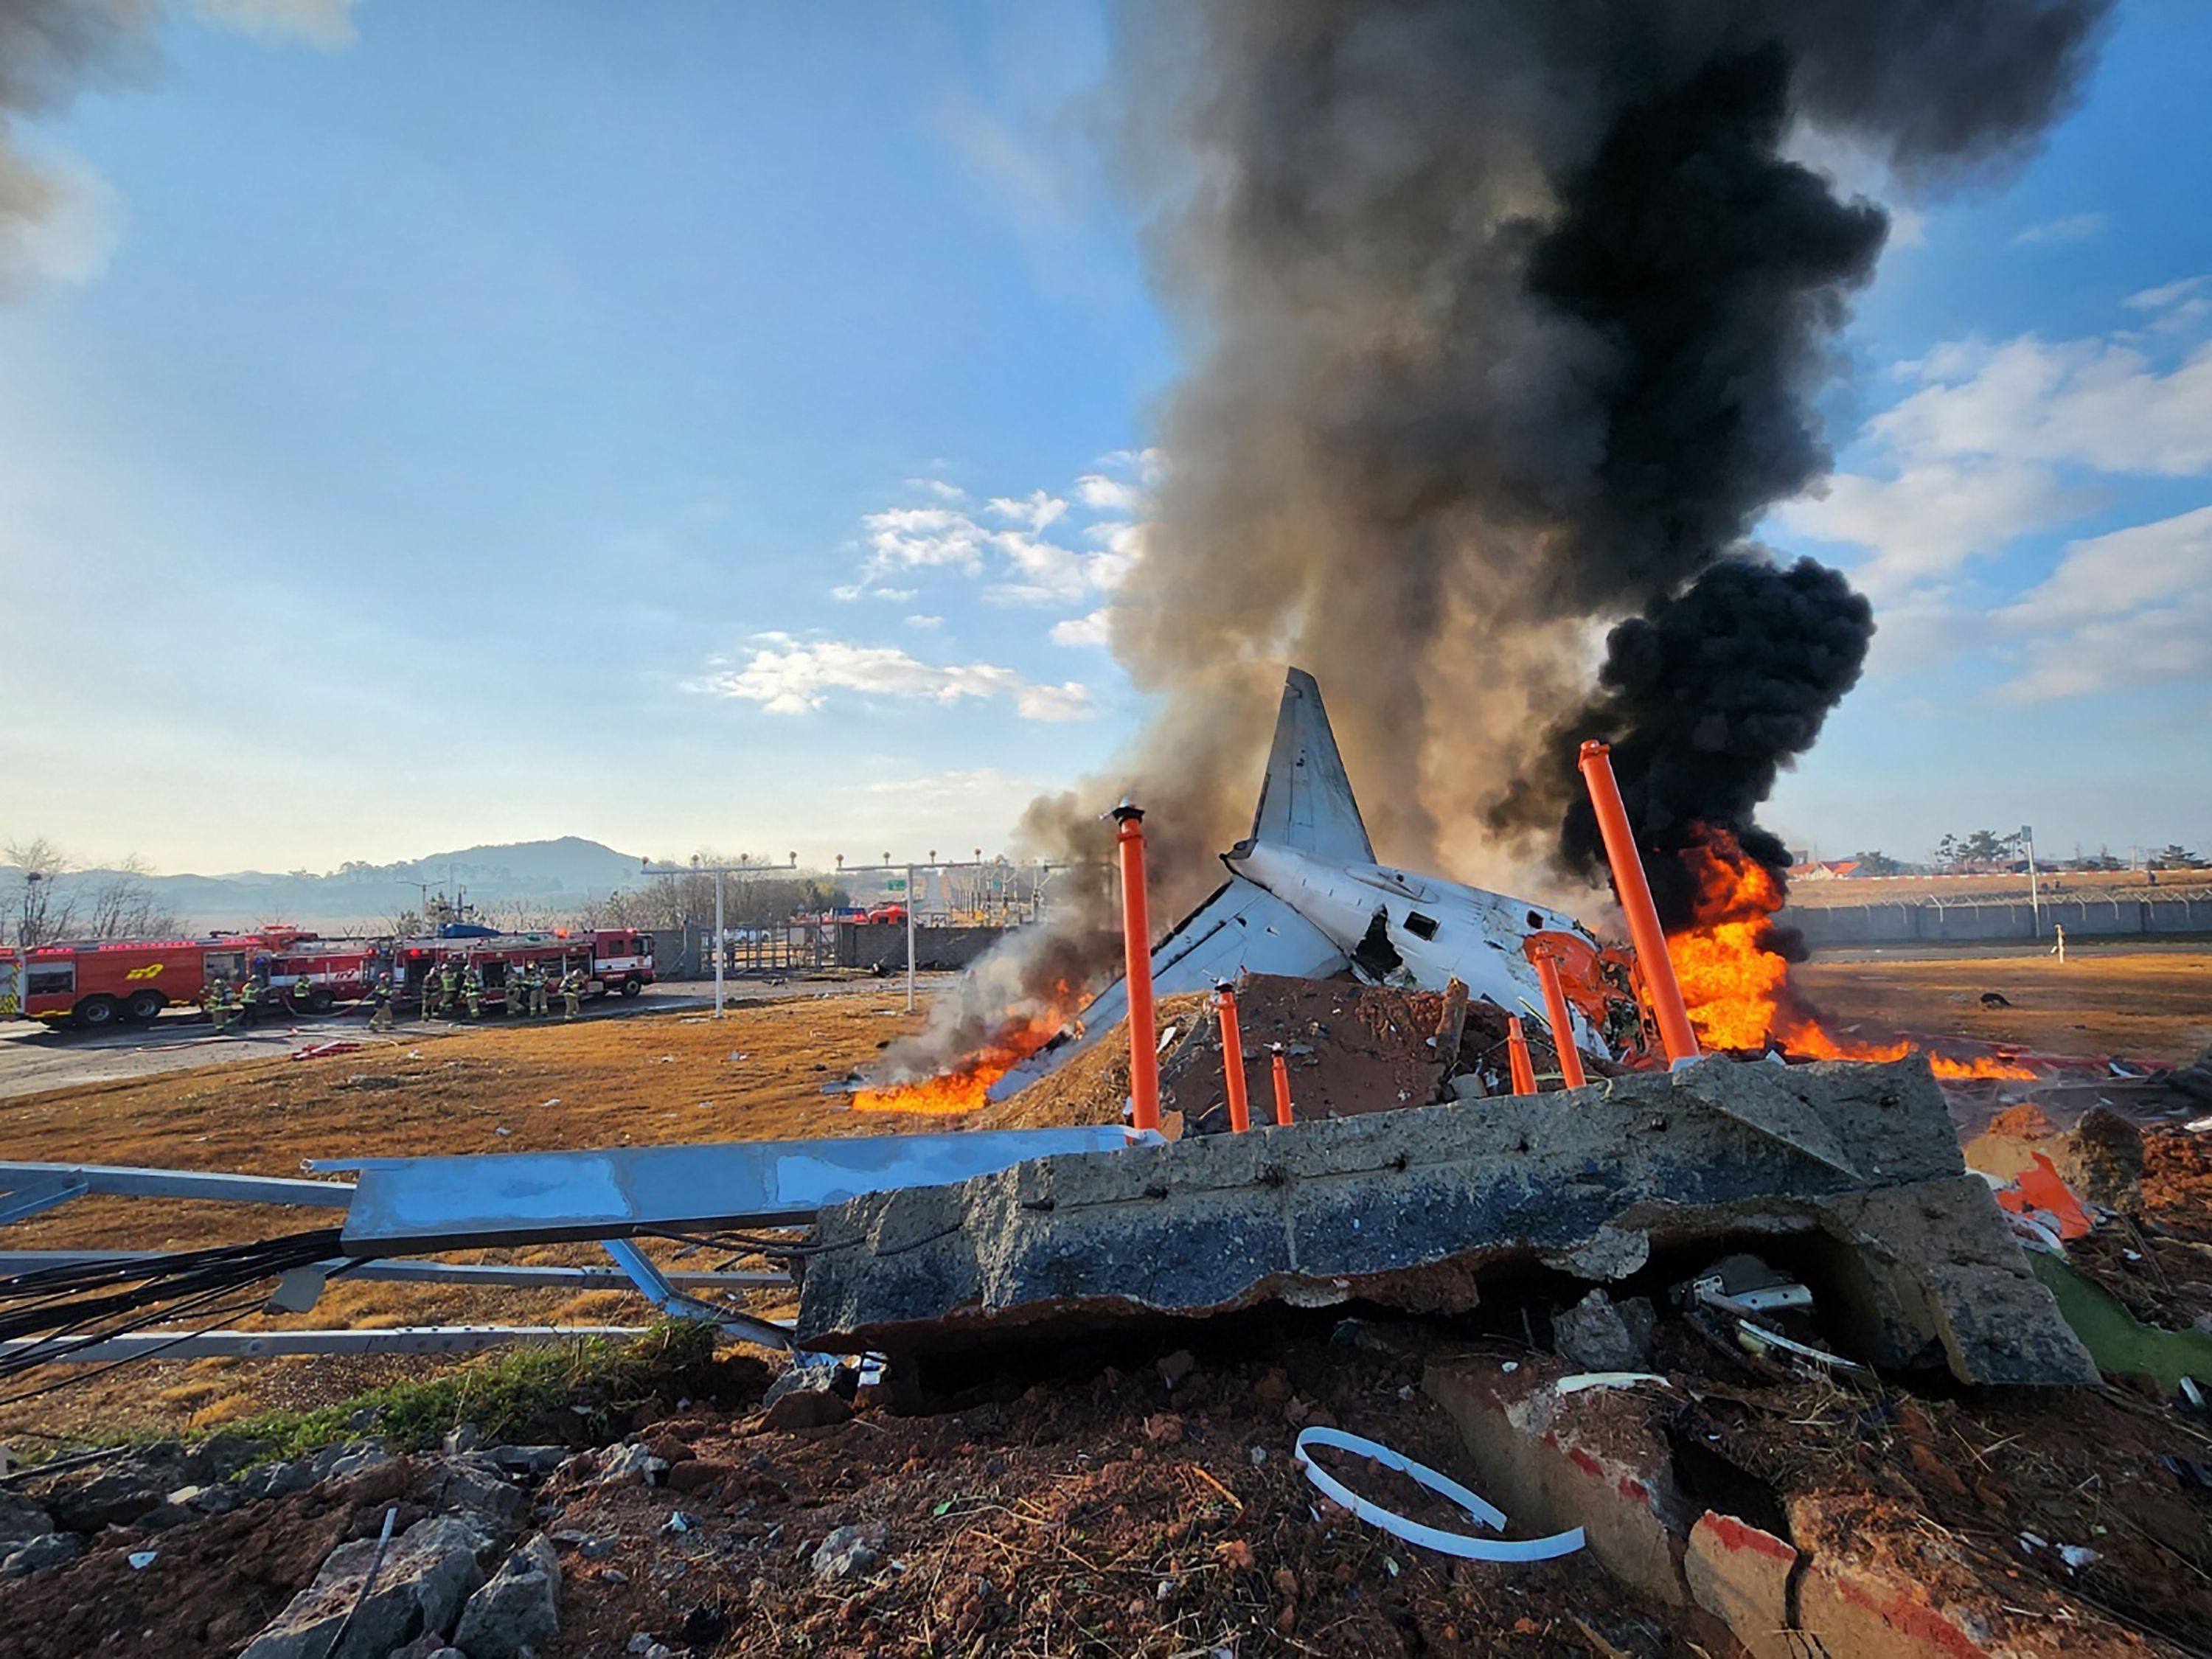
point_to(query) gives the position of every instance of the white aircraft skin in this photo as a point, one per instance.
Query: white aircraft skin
(1477, 935)
(1306, 898)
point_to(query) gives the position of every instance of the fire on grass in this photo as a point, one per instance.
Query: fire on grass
(964, 1088)
(1736, 978)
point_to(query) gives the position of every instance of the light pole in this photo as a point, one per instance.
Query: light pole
(2034, 899)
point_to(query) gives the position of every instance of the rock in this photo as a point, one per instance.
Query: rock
(598, 1549)
(1596, 1335)
(206, 1500)
(476, 1486)
(518, 1610)
(814, 1373)
(1739, 1573)
(461, 1437)
(2102, 1159)
(1175, 1367)
(427, 1573)
(349, 1458)
(48, 1550)
(117, 1493)
(628, 1461)
(20, 1521)
(808, 1409)
(275, 1479)
(162, 1516)
(529, 1460)
(849, 1553)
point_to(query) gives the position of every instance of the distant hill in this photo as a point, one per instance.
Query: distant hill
(555, 875)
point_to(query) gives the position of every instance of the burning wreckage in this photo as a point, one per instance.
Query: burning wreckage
(1814, 1223)
(958, 1244)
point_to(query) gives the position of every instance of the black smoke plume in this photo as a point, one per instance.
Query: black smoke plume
(1505, 322)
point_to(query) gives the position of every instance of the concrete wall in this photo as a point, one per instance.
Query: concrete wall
(2082, 915)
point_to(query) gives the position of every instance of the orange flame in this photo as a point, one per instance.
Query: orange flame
(964, 1088)
(1735, 981)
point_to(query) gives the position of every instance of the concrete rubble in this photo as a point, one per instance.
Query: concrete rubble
(1851, 1170)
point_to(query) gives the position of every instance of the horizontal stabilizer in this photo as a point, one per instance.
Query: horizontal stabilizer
(1242, 928)
(1305, 800)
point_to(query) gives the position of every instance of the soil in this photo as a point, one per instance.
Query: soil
(2146, 1005)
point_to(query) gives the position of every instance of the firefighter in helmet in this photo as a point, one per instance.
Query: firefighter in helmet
(571, 993)
(253, 992)
(540, 1002)
(449, 987)
(379, 1004)
(472, 990)
(216, 1001)
(302, 993)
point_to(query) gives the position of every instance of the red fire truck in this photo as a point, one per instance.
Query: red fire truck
(615, 961)
(98, 984)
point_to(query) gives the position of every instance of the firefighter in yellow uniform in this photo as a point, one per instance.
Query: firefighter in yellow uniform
(379, 1004)
(472, 990)
(250, 996)
(216, 1001)
(449, 987)
(571, 993)
(540, 1000)
(302, 994)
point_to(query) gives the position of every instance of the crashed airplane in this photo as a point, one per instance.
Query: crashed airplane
(1305, 898)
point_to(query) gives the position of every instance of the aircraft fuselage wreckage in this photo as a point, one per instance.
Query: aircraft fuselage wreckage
(1306, 898)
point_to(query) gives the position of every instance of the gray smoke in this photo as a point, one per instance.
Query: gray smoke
(1503, 321)
(53, 50)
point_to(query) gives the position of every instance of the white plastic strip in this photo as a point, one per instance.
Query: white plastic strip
(1434, 1538)
(1582, 1380)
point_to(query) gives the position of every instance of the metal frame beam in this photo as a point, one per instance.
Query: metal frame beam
(515, 1277)
(128, 1181)
(262, 1345)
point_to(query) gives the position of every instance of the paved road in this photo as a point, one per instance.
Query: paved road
(33, 1057)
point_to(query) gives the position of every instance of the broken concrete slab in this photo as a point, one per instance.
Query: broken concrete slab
(1855, 1165)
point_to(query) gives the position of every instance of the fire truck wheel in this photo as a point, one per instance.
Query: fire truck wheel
(144, 1005)
(95, 1014)
(320, 1001)
(631, 988)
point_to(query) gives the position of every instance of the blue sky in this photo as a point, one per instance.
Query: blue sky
(688, 424)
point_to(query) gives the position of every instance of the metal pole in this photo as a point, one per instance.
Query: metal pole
(910, 938)
(719, 935)
(1232, 1058)
(1562, 1024)
(2034, 900)
(1518, 1063)
(1634, 893)
(1137, 960)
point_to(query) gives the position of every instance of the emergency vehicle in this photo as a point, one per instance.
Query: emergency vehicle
(99, 984)
(615, 961)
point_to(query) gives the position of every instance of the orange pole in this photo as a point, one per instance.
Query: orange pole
(1282, 1089)
(1634, 893)
(1232, 1058)
(1517, 1054)
(1137, 948)
(1563, 1027)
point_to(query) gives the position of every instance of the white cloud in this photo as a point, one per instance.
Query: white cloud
(788, 676)
(939, 488)
(1037, 509)
(1104, 495)
(925, 622)
(2075, 228)
(2165, 294)
(1088, 630)
(2129, 608)
(1928, 520)
(2086, 402)
(2127, 570)
(924, 537)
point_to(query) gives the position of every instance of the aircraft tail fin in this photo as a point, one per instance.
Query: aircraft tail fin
(1306, 800)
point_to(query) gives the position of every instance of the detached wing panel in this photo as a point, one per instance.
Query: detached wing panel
(1242, 928)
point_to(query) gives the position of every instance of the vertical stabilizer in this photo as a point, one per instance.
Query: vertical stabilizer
(1305, 800)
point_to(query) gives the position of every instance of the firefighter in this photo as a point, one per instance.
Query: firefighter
(251, 996)
(302, 993)
(472, 987)
(449, 987)
(379, 1004)
(218, 1005)
(571, 993)
(539, 1006)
